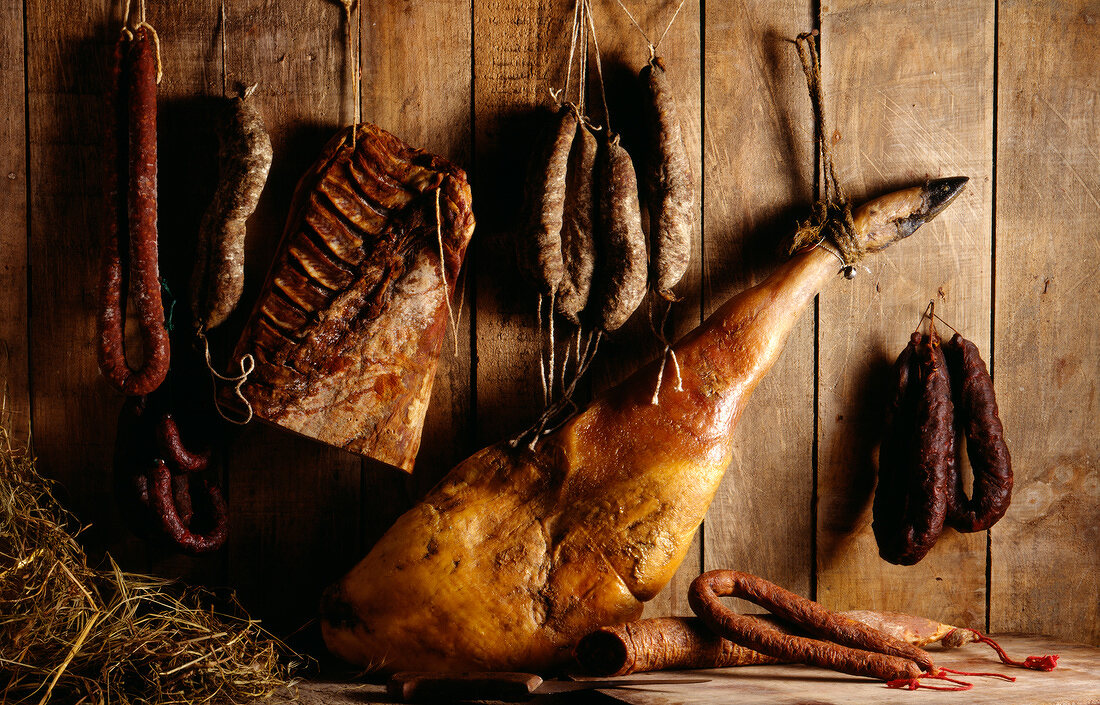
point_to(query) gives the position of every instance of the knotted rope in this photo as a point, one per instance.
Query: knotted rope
(832, 212)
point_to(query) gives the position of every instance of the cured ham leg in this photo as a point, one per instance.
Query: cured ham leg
(517, 554)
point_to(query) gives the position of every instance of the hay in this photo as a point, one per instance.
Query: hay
(74, 634)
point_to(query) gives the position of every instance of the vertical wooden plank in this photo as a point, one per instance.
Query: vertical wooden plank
(14, 369)
(759, 178)
(908, 90)
(624, 52)
(1046, 565)
(74, 411)
(520, 48)
(520, 51)
(424, 98)
(295, 504)
(187, 168)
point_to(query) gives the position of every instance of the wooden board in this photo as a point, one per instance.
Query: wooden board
(624, 50)
(1045, 561)
(295, 504)
(909, 90)
(73, 410)
(756, 181)
(14, 363)
(1073, 682)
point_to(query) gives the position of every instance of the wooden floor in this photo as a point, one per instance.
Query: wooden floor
(1005, 93)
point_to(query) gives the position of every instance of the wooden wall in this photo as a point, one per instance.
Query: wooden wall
(1003, 92)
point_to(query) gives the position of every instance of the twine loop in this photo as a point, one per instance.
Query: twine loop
(831, 220)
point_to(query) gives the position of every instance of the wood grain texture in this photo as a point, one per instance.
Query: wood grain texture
(15, 410)
(187, 168)
(759, 177)
(411, 92)
(295, 504)
(1072, 683)
(520, 49)
(624, 52)
(911, 92)
(908, 90)
(1046, 565)
(74, 410)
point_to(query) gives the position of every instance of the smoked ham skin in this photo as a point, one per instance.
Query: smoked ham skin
(517, 554)
(348, 329)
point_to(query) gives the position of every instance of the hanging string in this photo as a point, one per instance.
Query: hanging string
(128, 29)
(542, 352)
(538, 429)
(562, 95)
(915, 683)
(668, 352)
(248, 365)
(599, 66)
(356, 64)
(832, 212)
(1035, 663)
(668, 27)
(582, 75)
(550, 316)
(940, 674)
(653, 46)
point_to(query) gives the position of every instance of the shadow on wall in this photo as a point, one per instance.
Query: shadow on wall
(858, 446)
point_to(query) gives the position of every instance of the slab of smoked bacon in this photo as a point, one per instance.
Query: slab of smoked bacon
(348, 327)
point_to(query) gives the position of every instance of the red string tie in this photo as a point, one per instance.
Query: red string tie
(1035, 663)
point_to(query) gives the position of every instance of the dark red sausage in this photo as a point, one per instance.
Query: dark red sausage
(978, 421)
(180, 531)
(131, 221)
(858, 650)
(174, 452)
(917, 458)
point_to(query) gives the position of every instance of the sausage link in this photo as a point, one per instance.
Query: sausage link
(578, 242)
(135, 70)
(660, 644)
(174, 452)
(667, 643)
(858, 650)
(622, 252)
(917, 458)
(670, 189)
(990, 461)
(181, 498)
(896, 453)
(244, 156)
(179, 531)
(539, 248)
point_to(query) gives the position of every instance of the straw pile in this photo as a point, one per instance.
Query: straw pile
(74, 634)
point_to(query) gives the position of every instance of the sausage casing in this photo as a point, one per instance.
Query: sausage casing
(917, 457)
(131, 222)
(622, 252)
(539, 247)
(979, 423)
(671, 192)
(578, 238)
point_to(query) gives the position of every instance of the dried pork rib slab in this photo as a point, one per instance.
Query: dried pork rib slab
(349, 325)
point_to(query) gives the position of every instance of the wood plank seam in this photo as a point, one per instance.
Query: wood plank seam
(991, 345)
